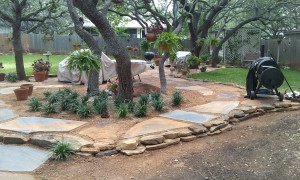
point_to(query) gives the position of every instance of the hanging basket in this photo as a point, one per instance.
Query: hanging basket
(29, 87)
(151, 37)
(164, 47)
(21, 94)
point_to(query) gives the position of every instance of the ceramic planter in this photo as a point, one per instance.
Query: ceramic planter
(46, 75)
(29, 87)
(184, 73)
(149, 55)
(39, 76)
(21, 94)
(202, 69)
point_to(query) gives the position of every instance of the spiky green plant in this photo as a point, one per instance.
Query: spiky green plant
(158, 104)
(131, 105)
(122, 110)
(141, 110)
(118, 100)
(49, 108)
(84, 110)
(35, 104)
(155, 96)
(47, 94)
(100, 106)
(177, 98)
(74, 106)
(54, 98)
(67, 90)
(62, 150)
(143, 99)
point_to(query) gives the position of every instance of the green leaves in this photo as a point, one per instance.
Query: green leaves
(168, 41)
(84, 60)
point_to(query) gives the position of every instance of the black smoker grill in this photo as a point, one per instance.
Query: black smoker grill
(264, 72)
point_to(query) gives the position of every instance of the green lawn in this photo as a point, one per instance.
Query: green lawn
(238, 76)
(10, 66)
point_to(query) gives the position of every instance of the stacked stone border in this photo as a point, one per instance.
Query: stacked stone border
(138, 145)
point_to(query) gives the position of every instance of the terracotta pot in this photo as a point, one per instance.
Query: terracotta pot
(184, 73)
(151, 36)
(29, 87)
(46, 75)
(39, 76)
(2, 76)
(76, 46)
(21, 94)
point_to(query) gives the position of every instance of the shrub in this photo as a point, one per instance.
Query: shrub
(100, 106)
(84, 110)
(141, 110)
(62, 150)
(158, 104)
(177, 98)
(122, 110)
(118, 100)
(74, 106)
(143, 99)
(131, 105)
(35, 104)
(85, 98)
(12, 77)
(47, 94)
(54, 98)
(49, 108)
(155, 96)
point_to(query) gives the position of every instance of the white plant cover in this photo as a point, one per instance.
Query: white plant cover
(107, 71)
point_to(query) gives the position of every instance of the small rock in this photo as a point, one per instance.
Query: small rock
(184, 132)
(15, 139)
(207, 124)
(152, 139)
(170, 135)
(102, 146)
(233, 120)
(201, 135)
(260, 110)
(188, 138)
(172, 141)
(266, 107)
(157, 146)
(138, 150)
(293, 108)
(107, 153)
(214, 133)
(227, 128)
(198, 129)
(215, 128)
(282, 105)
(239, 114)
(217, 122)
(89, 150)
(248, 109)
(83, 154)
(127, 144)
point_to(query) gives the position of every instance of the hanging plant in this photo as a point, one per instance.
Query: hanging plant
(168, 41)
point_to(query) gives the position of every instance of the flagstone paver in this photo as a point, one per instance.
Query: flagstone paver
(216, 107)
(6, 114)
(227, 96)
(14, 176)
(188, 116)
(153, 125)
(40, 124)
(8, 90)
(21, 158)
(203, 90)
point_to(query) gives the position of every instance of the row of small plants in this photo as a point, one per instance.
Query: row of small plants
(67, 99)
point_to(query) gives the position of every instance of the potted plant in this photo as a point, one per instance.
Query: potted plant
(153, 31)
(184, 70)
(168, 41)
(21, 93)
(193, 61)
(203, 68)
(83, 60)
(2, 75)
(39, 70)
(76, 46)
(206, 58)
(129, 48)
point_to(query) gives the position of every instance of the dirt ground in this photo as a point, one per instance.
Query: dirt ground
(266, 147)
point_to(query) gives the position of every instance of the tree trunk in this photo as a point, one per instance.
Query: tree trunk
(18, 50)
(93, 82)
(120, 53)
(162, 75)
(215, 55)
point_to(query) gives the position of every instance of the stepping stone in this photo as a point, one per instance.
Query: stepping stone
(216, 107)
(3, 104)
(6, 114)
(40, 124)
(227, 96)
(188, 116)
(21, 158)
(203, 90)
(154, 125)
(14, 176)
(9, 90)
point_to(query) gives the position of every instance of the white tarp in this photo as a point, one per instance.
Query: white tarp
(107, 71)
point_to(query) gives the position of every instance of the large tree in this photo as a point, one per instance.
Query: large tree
(97, 14)
(16, 12)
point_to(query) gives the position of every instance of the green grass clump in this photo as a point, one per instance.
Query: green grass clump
(35, 104)
(143, 99)
(47, 94)
(131, 105)
(155, 96)
(84, 110)
(49, 108)
(12, 77)
(122, 110)
(141, 110)
(177, 98)
(158, 104)
(62, 150)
